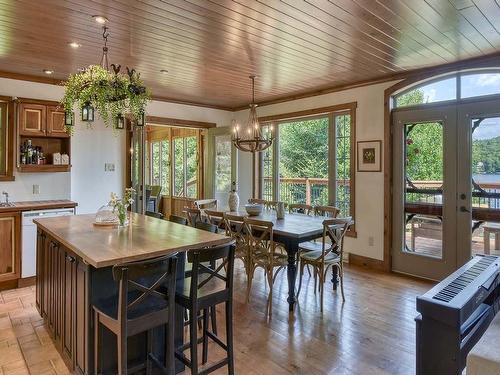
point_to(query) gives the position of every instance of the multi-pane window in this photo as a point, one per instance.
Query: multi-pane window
(222, 164)
(186, 167)
(314, 163)
(160, 165)
(343, 163)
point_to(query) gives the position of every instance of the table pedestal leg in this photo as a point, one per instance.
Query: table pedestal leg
(335, 277)
(292, 274)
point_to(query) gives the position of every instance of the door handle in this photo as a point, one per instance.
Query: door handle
(464, 209)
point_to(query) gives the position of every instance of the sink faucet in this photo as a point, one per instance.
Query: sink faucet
(6, 197)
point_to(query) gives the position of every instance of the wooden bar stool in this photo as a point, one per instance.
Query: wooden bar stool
(145, 300)
(178, 219)
(205, 289)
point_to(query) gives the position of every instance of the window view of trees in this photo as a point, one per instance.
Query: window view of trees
(160, 165)
(186, 167)
(303, 173)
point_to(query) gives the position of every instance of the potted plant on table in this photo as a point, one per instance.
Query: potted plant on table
(121, 205)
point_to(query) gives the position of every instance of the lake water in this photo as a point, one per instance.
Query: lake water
(487, 178)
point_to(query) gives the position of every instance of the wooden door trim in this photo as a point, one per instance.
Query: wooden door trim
(155, 120)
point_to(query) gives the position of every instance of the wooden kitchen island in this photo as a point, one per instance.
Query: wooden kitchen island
(74, 262)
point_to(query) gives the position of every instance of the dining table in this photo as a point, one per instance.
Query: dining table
(290, 231)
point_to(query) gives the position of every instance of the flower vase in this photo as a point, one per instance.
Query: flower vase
(234, 201)
(122, 215)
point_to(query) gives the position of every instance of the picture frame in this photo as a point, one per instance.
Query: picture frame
(369, 156)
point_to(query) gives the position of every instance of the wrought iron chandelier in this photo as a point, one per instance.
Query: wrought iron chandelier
(251, 138)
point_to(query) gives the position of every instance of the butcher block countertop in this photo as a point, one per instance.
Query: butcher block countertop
(38, 205)
(145, 237)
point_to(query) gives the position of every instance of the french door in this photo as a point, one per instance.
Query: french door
(446, 186)
(137, 168)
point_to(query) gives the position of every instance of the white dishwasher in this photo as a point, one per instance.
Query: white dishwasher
(28, 257)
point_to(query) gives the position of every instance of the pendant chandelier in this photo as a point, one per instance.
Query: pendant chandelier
(114, 95)
(251, 138)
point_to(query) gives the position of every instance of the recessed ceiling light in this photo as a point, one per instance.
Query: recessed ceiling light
(74, 45)
(163, 71)
(100, 19)
(48, 71)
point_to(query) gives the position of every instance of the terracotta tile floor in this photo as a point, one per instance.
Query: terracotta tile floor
(25, 345)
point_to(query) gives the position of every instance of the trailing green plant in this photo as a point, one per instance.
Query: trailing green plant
(110, 93)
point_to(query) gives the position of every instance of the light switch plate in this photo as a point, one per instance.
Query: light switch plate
(36, 189)
(109, 167)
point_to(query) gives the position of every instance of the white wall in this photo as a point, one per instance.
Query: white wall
(87, 183)
(369, 190)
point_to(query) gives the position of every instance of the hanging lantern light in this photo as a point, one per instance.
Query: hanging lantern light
(250, 138)
(119, 122)
(141, 120)
(87, 112)
(68, 118)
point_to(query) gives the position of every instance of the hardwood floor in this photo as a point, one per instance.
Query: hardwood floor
(373, 332)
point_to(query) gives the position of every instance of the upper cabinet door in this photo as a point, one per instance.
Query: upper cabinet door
(32, 119)
(55, 122)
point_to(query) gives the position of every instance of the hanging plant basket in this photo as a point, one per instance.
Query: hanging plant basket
(111, 93)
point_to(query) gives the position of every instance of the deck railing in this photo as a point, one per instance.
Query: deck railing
(313, 191)
(431, 192)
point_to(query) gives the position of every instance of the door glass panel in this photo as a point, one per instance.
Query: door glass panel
(437, 91)
(222, 165)
(267, 169)
(303, 161)
(191, 167)
(485, 185)
(165, 167)
(155, 163)
(423, 199)
(179, 177)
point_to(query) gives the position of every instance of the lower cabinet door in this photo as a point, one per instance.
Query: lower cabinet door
(9, 246)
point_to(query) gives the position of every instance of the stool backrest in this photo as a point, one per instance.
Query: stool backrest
(157, 215)
(210, 255)
(178, 219)
(148, 278)
(193, 215)
(206, 226)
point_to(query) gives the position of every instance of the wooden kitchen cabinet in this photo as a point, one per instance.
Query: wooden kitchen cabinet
(32, 119)
(62, 300)
(10, 262)
(55, 123)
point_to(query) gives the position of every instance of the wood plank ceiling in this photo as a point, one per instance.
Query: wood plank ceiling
(210, 47)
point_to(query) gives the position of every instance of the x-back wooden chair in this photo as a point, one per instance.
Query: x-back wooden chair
(330, 254)
(216, 218)
(300, 208)
(326, 211)
(264, 253)
(235, 228)
(193, 215)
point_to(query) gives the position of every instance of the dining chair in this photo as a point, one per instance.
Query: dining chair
(204, 289)
(330, 254)
(157, 215)
(193, 215)
(145, 300)
(264, 253)
(216, 218)
(257, 201)
(178, 219)
(271, 205)
(300, 208)
(235, 228)
(326, 211)
(204, 204)
(155, 197)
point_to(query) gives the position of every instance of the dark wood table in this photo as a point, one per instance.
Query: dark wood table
(291, 231)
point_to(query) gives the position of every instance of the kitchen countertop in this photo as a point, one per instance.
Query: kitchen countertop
(38, 205)
(145, 237)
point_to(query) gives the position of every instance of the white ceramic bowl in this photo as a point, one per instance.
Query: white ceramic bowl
(254, 209)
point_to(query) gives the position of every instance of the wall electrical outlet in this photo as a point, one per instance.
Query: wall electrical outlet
(370, 241)
(36, 189)
(109, 167)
